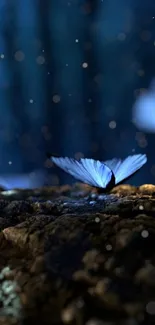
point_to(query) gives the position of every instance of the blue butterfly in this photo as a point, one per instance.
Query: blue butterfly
(100, 174)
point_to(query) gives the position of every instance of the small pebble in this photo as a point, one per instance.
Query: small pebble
(101, 197)
(92, 202)
(147, 189)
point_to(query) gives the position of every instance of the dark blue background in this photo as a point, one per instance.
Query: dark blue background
(67, 69)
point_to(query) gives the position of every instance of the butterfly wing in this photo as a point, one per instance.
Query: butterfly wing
(123, 169)
(89, 171)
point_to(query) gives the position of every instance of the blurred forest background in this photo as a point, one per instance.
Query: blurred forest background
(70, 73)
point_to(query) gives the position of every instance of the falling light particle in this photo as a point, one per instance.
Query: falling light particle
(79, 303)
(76, 41)
(31, 101)
(10, 162)
(68, 315)
(97, 219)
(2, 56)
(144, 233)
(121, 37)
(66, 64)
(40, 60)
(141, 207)
(108, 247)
(19, 56)
(140, 73)
(56, 99)
(112, 124)
(85, 65)
(150, 307)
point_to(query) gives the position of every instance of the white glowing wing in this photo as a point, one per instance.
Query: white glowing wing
(122, 169)
(23, 181)
(89, 171)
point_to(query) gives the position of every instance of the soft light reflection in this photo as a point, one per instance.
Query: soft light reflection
(144, 110)
(23, 181)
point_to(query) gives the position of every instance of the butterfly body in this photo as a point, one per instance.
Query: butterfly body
(109, 186)
(103, 175)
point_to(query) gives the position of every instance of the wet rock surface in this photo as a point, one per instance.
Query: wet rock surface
(69, 255)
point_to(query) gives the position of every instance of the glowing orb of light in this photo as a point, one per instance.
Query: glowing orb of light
(143, 113)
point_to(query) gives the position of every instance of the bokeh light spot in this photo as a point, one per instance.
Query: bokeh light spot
(40, 60)
(112, 124)
(56, 99)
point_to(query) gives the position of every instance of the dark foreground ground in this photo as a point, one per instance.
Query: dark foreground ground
(71, 256)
